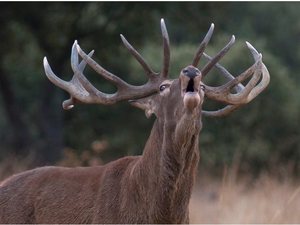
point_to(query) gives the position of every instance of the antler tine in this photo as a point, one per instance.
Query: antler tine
(223, 94)
(247, 94)
(253, 51)
(69, 103)
(225, 73)
(100, 70)
(265, 74)
(78, 79)
(138, 57)
(203, 45)
(75, 61)
(221, 112)
(250, 85)
(125, 91)
(67, 86)
(254, 69)
(217, 58)
(53, 78)
(166, 49)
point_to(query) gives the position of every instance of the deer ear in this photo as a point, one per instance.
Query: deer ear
(146, 104)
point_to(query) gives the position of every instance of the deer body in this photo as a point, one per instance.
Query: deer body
(152, 188)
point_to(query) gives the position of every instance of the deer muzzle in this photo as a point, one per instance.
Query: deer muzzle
(190, 78)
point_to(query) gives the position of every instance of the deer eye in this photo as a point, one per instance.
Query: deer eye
(202, 87)
(163, 87)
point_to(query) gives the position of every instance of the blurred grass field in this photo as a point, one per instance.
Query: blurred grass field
(263, 200)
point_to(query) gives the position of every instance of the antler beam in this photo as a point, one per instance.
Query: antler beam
(81, 90)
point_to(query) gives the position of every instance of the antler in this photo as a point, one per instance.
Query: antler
(223, 93)
(245, 94)
(203, 45)
(81, 90)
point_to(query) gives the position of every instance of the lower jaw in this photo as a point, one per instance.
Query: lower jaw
(191, 100)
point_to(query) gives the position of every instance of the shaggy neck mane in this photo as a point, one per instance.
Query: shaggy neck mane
(168, 167)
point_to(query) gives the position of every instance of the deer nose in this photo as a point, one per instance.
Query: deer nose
(191, 72)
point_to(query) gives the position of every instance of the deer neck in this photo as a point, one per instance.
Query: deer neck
(170, 162)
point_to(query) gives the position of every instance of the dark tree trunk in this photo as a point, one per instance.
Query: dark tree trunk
(50, 124)
(20, 138)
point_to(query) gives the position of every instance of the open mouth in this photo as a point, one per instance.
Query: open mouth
(190, 86)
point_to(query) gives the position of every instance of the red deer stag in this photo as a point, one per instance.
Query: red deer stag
(154, 187)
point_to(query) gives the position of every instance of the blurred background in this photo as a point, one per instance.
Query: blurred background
(248, 159)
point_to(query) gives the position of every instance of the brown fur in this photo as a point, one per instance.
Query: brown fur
(152, 188)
